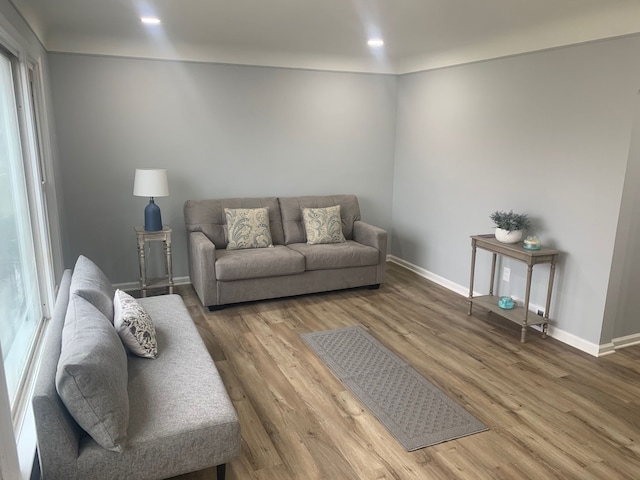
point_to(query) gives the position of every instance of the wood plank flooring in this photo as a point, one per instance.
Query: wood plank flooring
(553, 412)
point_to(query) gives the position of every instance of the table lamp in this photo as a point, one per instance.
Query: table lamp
(151, 182)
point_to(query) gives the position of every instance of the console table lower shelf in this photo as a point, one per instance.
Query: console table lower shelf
(515, 314)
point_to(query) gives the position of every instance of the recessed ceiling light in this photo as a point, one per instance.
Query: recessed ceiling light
(375, 42)
(150, 20)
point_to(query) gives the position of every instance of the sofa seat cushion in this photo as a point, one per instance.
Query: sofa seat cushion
(181, 418)
(336, 255)
(257, 263)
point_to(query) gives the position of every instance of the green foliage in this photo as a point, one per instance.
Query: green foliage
(511, 221)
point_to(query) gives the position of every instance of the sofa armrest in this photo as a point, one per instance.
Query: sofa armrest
(58, 434)
(374, 237)
(202, 267)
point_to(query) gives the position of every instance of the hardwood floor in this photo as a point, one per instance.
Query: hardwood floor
(552, 411)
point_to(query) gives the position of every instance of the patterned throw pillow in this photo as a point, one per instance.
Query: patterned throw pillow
(248, 228)
(134, 326)
(323, 225)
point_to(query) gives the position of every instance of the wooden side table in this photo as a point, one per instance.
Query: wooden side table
(143, 237)
(516, 251)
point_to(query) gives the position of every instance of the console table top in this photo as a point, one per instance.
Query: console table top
(489, 240)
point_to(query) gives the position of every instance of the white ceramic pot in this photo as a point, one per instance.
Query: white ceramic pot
(505, 236)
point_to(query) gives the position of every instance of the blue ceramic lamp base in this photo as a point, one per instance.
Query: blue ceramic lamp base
(152, 217)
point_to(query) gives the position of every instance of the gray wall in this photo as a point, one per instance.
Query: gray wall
(547, 134)
(220, 131)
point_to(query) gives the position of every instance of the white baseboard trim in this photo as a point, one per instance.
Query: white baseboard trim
(606, 349)
(129, 286)
(619, 343)
(557, 333)
(454, 287)
(627, 341)
(574, 341)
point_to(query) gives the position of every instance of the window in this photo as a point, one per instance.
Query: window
(20, 306)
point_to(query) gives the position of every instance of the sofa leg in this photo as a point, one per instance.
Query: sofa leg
(374, 287)
(215, 308)
(221, 471)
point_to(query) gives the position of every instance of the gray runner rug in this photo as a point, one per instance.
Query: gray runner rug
(415, 412)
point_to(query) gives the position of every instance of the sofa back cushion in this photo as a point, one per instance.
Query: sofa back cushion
(91, 377)
(293, 223)
(208, 217)
(92, 284)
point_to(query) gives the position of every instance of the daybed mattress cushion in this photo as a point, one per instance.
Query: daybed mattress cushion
(257, 263)
(336, 255)
(178, 403)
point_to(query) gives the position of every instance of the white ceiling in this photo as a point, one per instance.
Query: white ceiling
(326, 34)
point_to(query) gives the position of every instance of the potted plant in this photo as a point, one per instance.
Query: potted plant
(510, 226)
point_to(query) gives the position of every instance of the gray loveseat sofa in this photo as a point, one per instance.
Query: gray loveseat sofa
(180, 417)
(292, 267)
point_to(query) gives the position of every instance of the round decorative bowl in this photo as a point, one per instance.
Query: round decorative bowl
(505, 236)
(506, 303)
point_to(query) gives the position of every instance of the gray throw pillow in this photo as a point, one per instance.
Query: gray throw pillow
(91, 378)
(323, 225)
(92, 284)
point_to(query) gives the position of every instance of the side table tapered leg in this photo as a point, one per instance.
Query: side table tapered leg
(143, 267)
(493, 273)
(473, 269)
(167, 246)
(552, 274)
(527, 295)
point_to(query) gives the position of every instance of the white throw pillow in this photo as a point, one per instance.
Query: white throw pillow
(323, 225)
(134, 326)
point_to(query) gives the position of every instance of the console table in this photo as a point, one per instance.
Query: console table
(143, 236)
(516, 251)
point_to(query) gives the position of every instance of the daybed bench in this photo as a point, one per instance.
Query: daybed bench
(149, 418)
(221, 275)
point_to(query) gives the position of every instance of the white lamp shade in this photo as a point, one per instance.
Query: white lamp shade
(151, 182)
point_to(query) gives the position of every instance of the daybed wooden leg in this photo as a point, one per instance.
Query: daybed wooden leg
(374, 287)
(222, 470)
